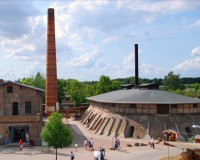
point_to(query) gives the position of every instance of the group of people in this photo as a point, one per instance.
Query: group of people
(89, 145)
(31, 143)
(117, 144)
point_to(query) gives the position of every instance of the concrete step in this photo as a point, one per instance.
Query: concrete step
(16, 144)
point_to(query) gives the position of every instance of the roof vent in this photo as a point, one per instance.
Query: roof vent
(127, 86)
(149, 86)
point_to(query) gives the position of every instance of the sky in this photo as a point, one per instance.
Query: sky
(95, 38)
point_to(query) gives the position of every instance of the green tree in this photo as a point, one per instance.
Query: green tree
(76, 92)
(198, 93)
(27, 81)
(172, 81)
(178, 91)
(36, 81)
(39, 80)
(61, 89)
(55, 133)
(103, 85)
(190, 92)
(115, 85)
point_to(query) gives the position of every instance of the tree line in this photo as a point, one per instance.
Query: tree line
(78, 91)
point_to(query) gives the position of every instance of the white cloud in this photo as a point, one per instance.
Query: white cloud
(33, 68)
(6, 74)
(188, 65)
(162, 7)
(150, 10)
(109, 39)
(86, 28)
(145, 70)
(129, 61)
(195, 24)
(85, 60)
(149, 70)
(16, 51)
(196, 51)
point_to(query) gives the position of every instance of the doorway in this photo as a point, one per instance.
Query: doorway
(130, 132)
(188, 131)
(18, 132)
(162, 109)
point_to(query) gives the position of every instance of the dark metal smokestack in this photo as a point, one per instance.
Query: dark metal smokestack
(136, 65)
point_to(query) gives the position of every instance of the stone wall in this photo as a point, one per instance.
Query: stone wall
(139, 122)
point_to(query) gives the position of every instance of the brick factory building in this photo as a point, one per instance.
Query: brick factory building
(20, 112)
(142, 113)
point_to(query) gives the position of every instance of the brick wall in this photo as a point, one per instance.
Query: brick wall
(33, 120)
(21, 95)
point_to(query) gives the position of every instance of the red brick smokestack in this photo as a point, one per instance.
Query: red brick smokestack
(136, 65)
(51, 95)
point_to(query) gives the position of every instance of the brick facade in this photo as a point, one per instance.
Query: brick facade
(51, 96)
(20, 117)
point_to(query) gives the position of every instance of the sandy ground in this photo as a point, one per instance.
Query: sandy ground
(80, 132)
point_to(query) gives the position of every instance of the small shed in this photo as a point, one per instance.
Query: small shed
(197, 138)
(169, 135)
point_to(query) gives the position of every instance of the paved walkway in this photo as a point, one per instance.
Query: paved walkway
(80, 132)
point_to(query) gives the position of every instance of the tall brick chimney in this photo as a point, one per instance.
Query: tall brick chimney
(136, 65)
(51, 94)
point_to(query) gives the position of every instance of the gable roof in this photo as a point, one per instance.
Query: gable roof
(133, 96)
(23, 85)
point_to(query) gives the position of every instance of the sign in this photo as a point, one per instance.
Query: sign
(50, 108)
(57, 106)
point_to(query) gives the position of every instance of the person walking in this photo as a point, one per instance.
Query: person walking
(85, 143)
(152, 143)
(118, 144)
(72, 155)
(92, 144)
(27, 137)
(21, 144)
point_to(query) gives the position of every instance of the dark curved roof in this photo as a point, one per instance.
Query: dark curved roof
(132, 96)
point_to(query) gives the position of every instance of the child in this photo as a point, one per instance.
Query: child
(20, 144)
(72, 155)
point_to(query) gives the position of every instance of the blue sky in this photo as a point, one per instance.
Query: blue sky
(95, 38)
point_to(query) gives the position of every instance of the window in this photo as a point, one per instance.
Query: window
(162, 109)
(9, 89)
(27, 107)
(194, 105)
(174, 106)
(132, 106)
(15, 108)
